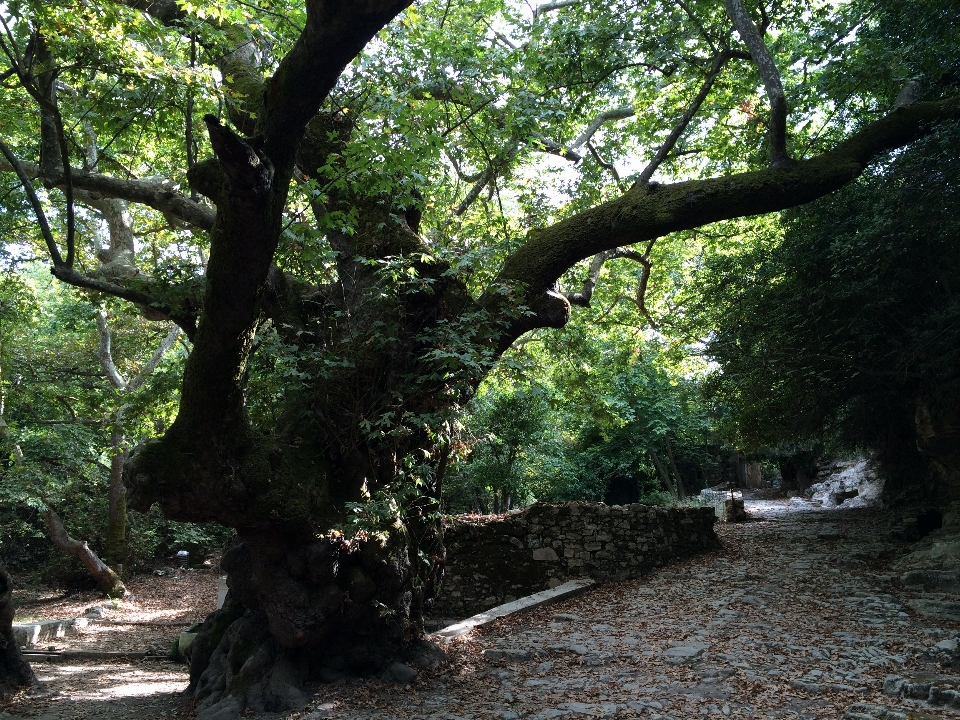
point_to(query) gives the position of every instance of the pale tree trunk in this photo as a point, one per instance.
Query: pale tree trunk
(107, 580)
(116, 541)
(15, 672)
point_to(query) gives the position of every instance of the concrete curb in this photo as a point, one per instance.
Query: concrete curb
(67, 656)
(30, 635)
(568, 589)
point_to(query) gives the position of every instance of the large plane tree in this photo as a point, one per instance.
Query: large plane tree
(352, 209)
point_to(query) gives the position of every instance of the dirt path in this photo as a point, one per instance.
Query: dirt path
(794, 618)
(140, 690)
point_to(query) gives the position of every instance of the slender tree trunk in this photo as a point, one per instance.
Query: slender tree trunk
(107, 580)
(15, 672)
(664, 475)
(741, 469)
(681, 490)
(115, 550)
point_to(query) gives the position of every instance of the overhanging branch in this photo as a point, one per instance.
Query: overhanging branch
(644, 213)
(598, 122)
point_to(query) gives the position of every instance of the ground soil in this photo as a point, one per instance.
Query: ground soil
(118, 690)
(781, 585)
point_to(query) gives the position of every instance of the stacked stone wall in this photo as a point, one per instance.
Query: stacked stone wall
(493, 560)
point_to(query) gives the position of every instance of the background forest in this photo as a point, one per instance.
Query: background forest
(831, 328)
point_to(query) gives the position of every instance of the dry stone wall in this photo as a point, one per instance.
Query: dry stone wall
(495, 560)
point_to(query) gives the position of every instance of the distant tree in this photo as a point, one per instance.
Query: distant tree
(503, 430)
(58, 424)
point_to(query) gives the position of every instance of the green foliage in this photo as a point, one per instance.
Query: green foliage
(60, 412)
(506, 428)
(846, 328)
(578, 420)
(447, 96)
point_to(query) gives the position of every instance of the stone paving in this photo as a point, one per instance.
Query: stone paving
(798, 616)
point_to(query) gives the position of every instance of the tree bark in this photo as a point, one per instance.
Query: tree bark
(107, 580)
(15, 672)
(115, 544)
(643, 213)
(777, 123)
(681, 489)
(664, 475)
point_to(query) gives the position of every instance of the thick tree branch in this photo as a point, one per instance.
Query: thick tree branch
(604, 117)
(248, 172)
(157, 194)
(554, 148)
(335, 33)
(752, 38)
(550, 6)
(646, 213)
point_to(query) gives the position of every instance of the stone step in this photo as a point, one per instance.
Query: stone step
(30, 635)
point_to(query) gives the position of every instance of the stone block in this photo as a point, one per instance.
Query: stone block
(30, 635)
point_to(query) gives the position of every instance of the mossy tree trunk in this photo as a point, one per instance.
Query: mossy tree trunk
(15, 672)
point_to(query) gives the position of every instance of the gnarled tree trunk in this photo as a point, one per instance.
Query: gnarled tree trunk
(15, 672)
